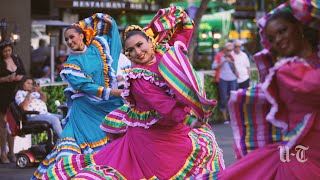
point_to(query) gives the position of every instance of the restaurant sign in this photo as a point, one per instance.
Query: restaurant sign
(114, 5)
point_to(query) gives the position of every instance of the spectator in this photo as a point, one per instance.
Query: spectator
(39, 59)
(242, 64)
(31, 98)
(62, 58)
(45, 77)
(227, 80)
(217, 60)
(11, 72)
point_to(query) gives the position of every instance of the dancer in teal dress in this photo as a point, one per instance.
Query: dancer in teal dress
(92, 93)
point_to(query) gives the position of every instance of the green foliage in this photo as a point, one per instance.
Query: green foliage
(254, 76)
(202, 62)
(212, 93)
(39, 138)
(53, 93)
(271, 4)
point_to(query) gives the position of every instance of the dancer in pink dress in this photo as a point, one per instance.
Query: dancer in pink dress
(161, 132)
(276, 124)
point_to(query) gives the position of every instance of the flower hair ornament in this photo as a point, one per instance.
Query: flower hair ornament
(132, 28)
(89, 33)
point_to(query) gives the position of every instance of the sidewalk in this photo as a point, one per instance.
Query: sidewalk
(224, 138)
(222, 132)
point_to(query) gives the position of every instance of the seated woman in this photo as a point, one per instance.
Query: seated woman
(31, 98)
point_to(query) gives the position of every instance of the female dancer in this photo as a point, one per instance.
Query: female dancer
(279, 140)
(92, 87)
(162, 131)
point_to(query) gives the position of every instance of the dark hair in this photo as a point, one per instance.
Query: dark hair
(79, 30)
(5, 44)
(42, 42)
(136, 32)
(23, 80)
(285, 15)
(311, 35)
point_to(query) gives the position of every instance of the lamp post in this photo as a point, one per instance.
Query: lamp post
(14, 36)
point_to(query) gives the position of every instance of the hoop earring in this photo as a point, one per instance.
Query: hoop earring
(81, 46)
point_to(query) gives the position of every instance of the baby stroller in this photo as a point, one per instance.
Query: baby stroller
(36, 153)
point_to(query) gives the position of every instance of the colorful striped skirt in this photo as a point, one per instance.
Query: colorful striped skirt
(175, 152)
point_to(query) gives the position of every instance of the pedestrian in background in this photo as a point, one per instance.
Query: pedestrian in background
(11, 73)
(40, 58)
(227, 79)
(242, 64)
(216, 62)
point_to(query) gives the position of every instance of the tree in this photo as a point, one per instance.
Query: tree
(271, 4)
(193, 43)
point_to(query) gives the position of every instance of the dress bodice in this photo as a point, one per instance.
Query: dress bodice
(149, 72)
(295, 90)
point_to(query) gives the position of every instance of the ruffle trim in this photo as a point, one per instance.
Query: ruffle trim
(248, 108)
(104, 50)
(81, 166)
(291, 138)
(206, 156)
(73, 70)
(76, 71)
(66, 147)
(271, 116)
(118, 120)
(137, 73)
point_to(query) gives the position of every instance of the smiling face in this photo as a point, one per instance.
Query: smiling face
(139, 49)
(285, 37)
(74, 39)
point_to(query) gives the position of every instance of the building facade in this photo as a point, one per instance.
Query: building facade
(17, 15)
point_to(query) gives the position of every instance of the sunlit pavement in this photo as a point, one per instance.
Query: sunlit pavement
(223, 135)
